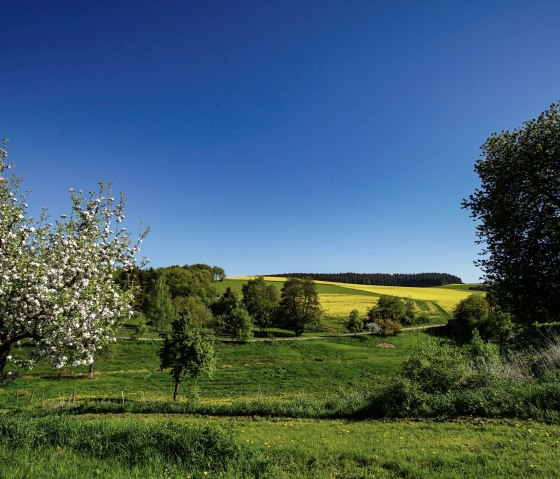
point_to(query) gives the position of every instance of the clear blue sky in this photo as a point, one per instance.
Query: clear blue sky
(267, 137)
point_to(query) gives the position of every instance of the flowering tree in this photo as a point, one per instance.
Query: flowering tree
(58, 294)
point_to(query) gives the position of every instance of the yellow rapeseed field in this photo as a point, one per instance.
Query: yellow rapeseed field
(446, 298)
(341, 304)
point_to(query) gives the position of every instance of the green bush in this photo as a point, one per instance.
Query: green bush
(388, 327)
(436, 368)
(492, 324)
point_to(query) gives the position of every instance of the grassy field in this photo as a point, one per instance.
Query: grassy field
(318, 449)
(263, 445)
(312, 369)
(338, 299)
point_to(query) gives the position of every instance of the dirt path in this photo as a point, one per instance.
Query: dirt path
(304, 338)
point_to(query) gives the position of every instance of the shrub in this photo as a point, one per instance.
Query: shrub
(388, 327)
(436, 368)
(474, 312)
(393, 308)
(401, 398)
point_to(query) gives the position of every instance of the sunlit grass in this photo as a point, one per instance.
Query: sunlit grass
(314, 368)
(328, 449)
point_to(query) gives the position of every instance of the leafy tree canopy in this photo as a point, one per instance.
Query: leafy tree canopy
(261, 301)
(299, 307)
(517, 209)
(187, 351)
(393, 308)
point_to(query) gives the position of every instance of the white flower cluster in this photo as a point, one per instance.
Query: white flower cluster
(373, 328)
(58, 289)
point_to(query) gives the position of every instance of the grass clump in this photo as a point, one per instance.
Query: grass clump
(191, 448)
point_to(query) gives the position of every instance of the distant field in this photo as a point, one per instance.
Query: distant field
(339, 299)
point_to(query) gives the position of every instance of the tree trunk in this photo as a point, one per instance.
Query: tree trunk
(90, 371)
(176, 390)
(5, 349)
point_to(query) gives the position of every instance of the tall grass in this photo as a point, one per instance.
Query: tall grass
(193, 448)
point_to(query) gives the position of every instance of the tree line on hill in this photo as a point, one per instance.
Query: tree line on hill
(164, 294)
(381, 279)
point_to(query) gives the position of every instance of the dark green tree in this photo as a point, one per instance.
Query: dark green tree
(218, 274)
(491, 322)
(517, 209)
(226, 303)
(187, 281)
(354, 324)
(393, 308)
(187, 351)
(299, 307)
(261, 301)
(158, 305)
(239, 324)
(472, 311)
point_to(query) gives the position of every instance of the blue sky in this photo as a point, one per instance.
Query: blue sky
(270, 137)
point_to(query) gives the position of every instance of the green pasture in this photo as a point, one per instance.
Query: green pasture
(254, 370)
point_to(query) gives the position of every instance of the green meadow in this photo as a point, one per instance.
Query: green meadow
(270, 409)
(244, 371)
(273, 408)
(281, 448)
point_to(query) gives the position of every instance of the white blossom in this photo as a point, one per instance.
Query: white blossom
(57, 280)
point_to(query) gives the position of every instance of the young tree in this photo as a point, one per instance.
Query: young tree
(354, 324)
(58, 293)
(517, 207)
(139, 329)
(187, 351)
(299, 307)
(261, 301)
(239, 324)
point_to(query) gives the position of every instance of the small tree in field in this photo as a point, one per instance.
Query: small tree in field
(299, 307)
(187, 351)
(354, 324)
(476, 313)
(239, 324)
(59, 296)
